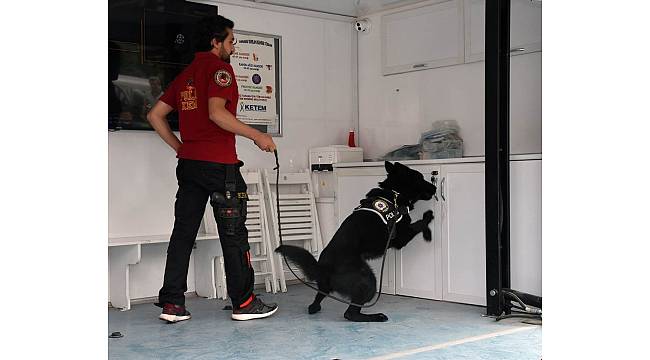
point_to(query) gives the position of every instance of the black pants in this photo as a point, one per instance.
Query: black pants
(197, 180)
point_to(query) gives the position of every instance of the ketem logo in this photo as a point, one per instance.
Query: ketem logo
(252, 107)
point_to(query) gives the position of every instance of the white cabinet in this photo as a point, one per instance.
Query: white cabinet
(416, 269)
(352, 185)
(525, 28)
(441, 24)
(443, 33)
(474, 30)
(452, 266)
(418, 265)
(526, 226)
(462, 195)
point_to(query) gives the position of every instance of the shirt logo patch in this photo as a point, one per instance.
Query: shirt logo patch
(188, 98)
(380, 205)
(222, 78)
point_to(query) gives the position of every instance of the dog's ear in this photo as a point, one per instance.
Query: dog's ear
(388, 166)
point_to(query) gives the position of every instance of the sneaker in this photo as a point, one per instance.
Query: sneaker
(255, 310)
(174, 313)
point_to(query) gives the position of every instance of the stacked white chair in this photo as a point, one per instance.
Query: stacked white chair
(259, 236)
(298, 218)
(209, 227)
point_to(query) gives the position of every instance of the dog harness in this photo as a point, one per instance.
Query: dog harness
(383, 207)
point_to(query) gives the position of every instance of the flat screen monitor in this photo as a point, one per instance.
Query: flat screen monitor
(147, 48)
(134, 87)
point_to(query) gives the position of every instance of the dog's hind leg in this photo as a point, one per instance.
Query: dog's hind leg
(361, 287)
(323, 287)
(315, 306)
(353, 313)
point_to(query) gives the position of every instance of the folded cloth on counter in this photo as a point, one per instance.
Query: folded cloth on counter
(404, 152)
(442, 141)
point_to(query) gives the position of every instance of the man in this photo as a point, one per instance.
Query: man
(152, 95)
(205, 95)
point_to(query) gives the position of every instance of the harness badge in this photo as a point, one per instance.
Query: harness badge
(380, 205)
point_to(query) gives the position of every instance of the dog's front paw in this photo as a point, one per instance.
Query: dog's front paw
(427, 216)
(426, 234)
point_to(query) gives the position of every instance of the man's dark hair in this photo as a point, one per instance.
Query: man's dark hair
(212, 27)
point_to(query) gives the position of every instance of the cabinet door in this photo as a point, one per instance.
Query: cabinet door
(526, 226)
(474, 30)
(440, 24)
(462, 193)
(352, 186)
(525, 28)
(418, 265)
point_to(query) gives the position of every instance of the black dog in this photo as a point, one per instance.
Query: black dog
(342, 265)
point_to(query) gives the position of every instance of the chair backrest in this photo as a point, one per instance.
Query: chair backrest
(256, 220)
(298, 215)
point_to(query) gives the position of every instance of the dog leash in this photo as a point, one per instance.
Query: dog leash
(277, 204)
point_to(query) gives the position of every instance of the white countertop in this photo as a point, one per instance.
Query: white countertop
(473, 159)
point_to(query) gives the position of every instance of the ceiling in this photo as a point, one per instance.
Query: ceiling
(353, 8)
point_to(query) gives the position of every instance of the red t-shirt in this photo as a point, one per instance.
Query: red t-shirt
(207, 76)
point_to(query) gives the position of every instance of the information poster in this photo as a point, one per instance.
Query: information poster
(254, 62)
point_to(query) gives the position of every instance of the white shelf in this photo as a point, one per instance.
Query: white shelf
(151, 239)
(473, 159)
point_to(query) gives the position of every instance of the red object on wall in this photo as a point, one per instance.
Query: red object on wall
(351, 139)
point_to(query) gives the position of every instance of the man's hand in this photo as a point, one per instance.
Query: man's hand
(227, 121)
(265, 142)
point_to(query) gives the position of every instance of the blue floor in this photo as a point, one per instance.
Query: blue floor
(293, 334)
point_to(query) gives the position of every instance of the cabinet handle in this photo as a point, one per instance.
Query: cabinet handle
(517, 50)
(442, 189)
(434, 180)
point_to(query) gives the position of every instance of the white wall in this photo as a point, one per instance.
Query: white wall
(317, 91)
(317, 102)
(389, 118)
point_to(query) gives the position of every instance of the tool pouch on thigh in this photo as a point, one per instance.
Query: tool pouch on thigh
(230, 213)
(230, 207)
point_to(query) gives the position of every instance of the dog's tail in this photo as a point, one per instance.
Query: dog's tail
(301, 257)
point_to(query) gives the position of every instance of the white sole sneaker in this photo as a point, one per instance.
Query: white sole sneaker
(243, 317)
(173, 318)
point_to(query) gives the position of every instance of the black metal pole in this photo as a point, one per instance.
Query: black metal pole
(497, 152)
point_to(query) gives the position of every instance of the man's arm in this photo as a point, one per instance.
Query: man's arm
(225, 120)
(157, 117)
